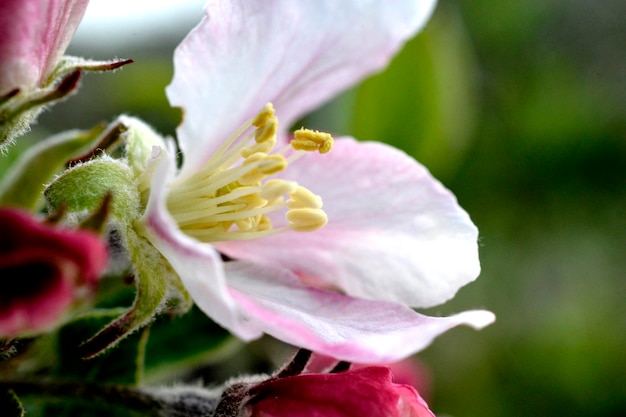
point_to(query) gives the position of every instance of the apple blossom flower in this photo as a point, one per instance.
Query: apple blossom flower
(242, 223)
(33, 36)
(44, 269)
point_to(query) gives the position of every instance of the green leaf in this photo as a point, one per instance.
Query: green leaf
(10, 405)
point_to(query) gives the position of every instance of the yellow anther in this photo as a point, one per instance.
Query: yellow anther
(245, 224)
(264, 147)
(264, 115)
(264, 224)
(233, 197)
(266, 131)
(304, 198)
(274, 189)
(272, 164)
(252, 178)
(306, 219)
(267, 164)
(264, 165)
(312, 140)
(252, 201)
(255, 157)
(304, 145)
(326, 146)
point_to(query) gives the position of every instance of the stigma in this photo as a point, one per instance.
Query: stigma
(234, 195)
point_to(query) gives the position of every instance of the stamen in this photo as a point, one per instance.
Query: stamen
(251, 202)
(264, 115)
(266, 146)
(303, 198)
(306, 219)
(184, 206)
(263, 165)
(264, 224)
(231, 197)
(245, 225)
(312, 140)
(267, 131)
(274, 189)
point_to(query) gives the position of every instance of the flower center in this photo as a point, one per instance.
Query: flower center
(232, 196)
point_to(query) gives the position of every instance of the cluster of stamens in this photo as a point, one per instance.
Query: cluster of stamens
(232, 197)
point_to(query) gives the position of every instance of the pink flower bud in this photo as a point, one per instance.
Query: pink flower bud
(367, 391)
(44, 269)
(33, 36)
(409, 371)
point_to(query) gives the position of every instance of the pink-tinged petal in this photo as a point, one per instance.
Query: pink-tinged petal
(33, 36)
(296, 54)
(334, 324)
(394, 232)
(199, 266)
(409, 371)
(410, 403)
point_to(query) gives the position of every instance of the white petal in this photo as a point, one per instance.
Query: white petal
(394, 232)
(296, 54)
(198, 264)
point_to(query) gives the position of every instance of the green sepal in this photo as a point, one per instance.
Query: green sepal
(151, 282)
(10, 404)
(68, 64)
(157, 288)
(97, 221)
(122, 365)
(23, 184)
(84, 186)
(18, 109)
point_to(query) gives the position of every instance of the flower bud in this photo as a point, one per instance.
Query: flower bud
(33, 71)
(361, 392)
(33, 36)
(44, 270)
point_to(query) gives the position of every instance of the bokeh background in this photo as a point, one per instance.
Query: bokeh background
(519, 107)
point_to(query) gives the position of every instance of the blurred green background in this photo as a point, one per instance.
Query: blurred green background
(518, 106)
